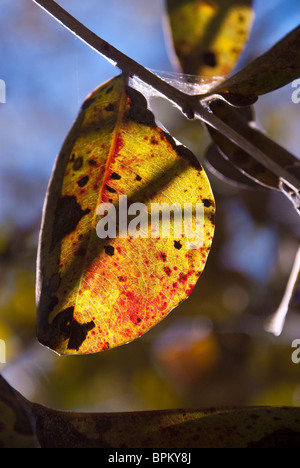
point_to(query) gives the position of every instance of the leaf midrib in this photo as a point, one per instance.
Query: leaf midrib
(111, 154)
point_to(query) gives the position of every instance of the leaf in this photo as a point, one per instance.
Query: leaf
(236, 119)
(15, 427)
(209, 36)
(94, 294)
(29, 425)
(276, 68)
(239, 428)
(222, 168)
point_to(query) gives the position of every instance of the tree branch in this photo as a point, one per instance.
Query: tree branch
(190, 105)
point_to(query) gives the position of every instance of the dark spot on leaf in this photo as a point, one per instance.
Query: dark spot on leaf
(110, 189)
(109, 250)
(83, 181)
(67, 215)
(61, 327)
(177, 245)
(168, 271)
(163, 256)
(78, 164)
(79, 333)
(136, 97)
(115, 176)
(138, 111)
(209, 58)
(87, 103)
(92, 162)
(207, 203)
(255, 417)
(138, 178)
(110, 108)
(109, 90)
(141, 116)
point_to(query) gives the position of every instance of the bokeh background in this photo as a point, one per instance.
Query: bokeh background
(211, 351)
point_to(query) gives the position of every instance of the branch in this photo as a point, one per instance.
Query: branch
(190, 105)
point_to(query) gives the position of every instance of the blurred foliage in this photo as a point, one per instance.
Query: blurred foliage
(212, 350)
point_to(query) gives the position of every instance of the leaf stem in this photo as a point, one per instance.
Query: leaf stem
(190, 105)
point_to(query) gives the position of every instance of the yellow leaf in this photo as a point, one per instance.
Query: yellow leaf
(209, 35)
(96, 293)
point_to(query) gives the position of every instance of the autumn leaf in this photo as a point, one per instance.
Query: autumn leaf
(209, 36)
(276, 68)
(96, 293)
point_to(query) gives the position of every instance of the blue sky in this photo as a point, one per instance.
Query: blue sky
(48, 73)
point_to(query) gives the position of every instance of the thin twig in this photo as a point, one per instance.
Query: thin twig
(190, 105)
(276, 323)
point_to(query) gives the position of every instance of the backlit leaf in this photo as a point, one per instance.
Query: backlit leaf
(209, 36)
(276, 68)
(94, 293)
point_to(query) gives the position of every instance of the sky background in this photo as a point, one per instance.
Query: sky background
(48, 74)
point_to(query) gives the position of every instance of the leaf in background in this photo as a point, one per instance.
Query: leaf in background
(239, 428)
(15, 427)
(222, 168)
(95, 294)
(24, 424)
(209, 36)
(276, 68)
(237, 119)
